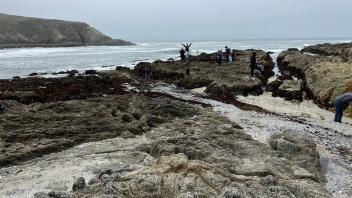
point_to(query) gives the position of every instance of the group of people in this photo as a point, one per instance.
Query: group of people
(229, 56)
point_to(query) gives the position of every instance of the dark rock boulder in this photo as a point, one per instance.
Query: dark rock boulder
(122, 68)
(293, 50)
(55, 194)
(139, 68)
(127, 118)
(290, 90)
(274, 85)
(285, 77)
(204, 57)
(91, 72)
(33, 74)
(41, 195)
(79, 185)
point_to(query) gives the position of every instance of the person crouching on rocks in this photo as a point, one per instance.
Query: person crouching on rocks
(341, 103)
(188, 67)
(147, 73)
(219, 57)
(182, 54)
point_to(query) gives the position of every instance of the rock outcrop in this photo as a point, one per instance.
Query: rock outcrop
(343, 50)
(289, 89)
(229, 79)
(324, 77)
(18, 31)
(30, 90)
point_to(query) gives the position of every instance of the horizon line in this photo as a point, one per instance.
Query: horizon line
(246, 39)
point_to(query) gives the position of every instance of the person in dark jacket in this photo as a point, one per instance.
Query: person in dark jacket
(147, 73)
(253, 64)
(219, 57)
(182, 54)
(341, 103)
(233, 55)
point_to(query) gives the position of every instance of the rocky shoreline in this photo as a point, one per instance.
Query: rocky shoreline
(169, 146)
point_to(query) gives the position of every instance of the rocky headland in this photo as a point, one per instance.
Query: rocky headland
(18, 31)
(111, 134)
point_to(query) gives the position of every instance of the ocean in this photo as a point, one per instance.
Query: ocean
(21, 62)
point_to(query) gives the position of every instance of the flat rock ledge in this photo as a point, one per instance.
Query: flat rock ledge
(207, 155)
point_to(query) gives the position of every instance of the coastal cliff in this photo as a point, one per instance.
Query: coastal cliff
(18, 31)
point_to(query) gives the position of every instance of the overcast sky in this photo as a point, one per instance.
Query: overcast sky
(166, 20)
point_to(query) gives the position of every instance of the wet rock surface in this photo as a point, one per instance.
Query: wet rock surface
(31, 90)
(206, 156)
(29, 131)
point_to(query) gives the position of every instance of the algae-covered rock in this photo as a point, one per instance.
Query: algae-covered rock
(324, 77)
(290, 90)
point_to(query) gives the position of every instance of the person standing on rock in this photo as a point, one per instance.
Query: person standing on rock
(341, 103)
(182, 54)
(147, 72)
(227, 53)
(233, 55)
(219, 57)
(253, 64)
(187, 46)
